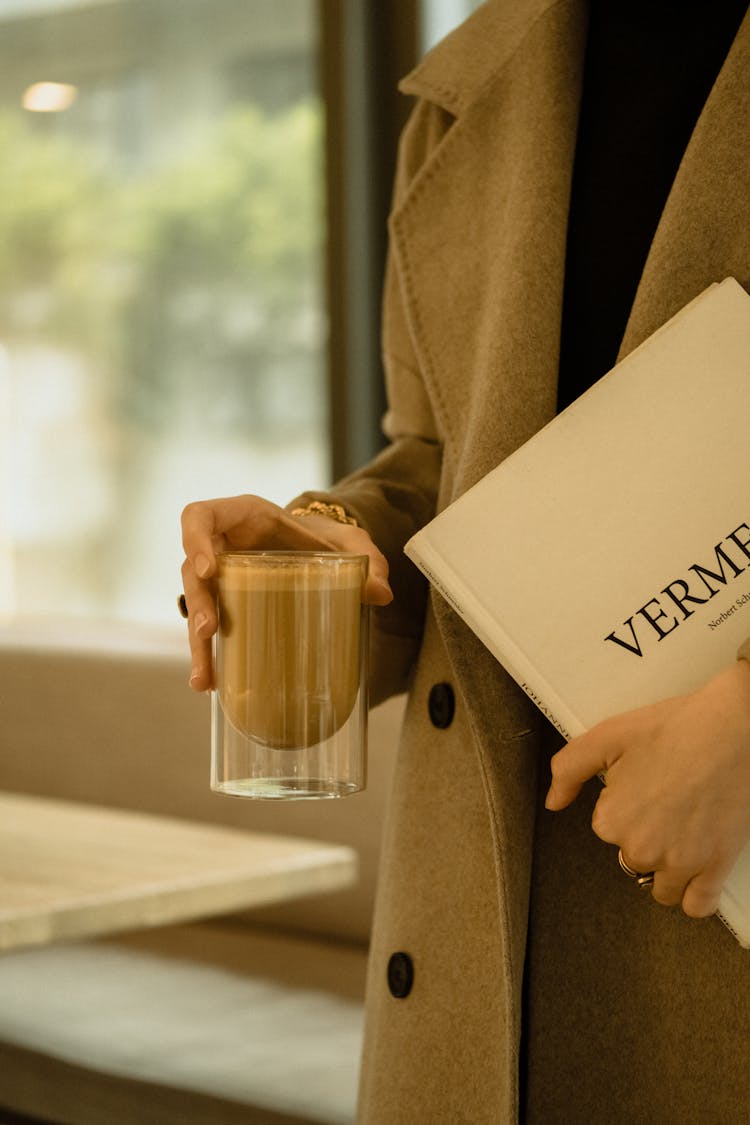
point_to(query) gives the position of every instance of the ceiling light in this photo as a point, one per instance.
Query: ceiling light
(49, 97)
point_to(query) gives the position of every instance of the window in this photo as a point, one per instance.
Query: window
(438, 17)
(162, 293)
(192, 236)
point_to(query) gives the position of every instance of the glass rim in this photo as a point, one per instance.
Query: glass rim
(288, 556)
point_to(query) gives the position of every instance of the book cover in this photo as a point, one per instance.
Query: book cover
(606, 563)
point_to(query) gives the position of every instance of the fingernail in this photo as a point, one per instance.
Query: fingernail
(195, 676)
(202, 565)
(200, 621)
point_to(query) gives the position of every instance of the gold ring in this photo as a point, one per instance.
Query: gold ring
(182, 606)
(642, 878)
(626, 867)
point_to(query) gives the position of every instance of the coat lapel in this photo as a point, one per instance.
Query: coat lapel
(478, 242)
(479, 238)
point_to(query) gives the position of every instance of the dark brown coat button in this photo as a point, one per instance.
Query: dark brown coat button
(441, 705)
(400, 975)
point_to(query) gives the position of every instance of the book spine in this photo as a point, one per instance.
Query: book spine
(495, 638)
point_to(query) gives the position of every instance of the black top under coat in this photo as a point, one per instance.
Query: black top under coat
(649, 68)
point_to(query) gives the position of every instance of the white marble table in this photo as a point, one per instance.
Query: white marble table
(71, 870)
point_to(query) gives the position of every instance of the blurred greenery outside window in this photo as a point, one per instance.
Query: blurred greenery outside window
(164, 330)
(162, 308)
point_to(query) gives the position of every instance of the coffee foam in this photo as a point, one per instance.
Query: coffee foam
(290, 573)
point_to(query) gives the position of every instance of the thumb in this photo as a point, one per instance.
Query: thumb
(350, 537)
(377, 588)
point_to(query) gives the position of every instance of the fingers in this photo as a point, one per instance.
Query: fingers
(239, 521)
(680, 875)
(377, 587)
(251, 523)
(698, 895)
(198, 530)
(699, 900)
(208, 527)
(582, 759)
(682, 884)
(202, 624)
(702, 894)
(678, 776)
(328, 534)
(669, 887)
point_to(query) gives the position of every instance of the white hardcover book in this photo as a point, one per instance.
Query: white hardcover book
(606, 563)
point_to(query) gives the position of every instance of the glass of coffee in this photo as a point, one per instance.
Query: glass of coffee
(289, 713)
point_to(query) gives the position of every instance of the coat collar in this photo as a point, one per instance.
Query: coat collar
(460, 67)
(479, 227)
(478, 234)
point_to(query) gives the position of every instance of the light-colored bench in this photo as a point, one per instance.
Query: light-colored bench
(253, 1018)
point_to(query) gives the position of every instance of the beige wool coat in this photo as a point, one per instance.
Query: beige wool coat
(541, 976)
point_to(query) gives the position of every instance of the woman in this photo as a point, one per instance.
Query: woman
(539, 226)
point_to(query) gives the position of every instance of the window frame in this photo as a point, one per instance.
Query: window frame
(365, 50)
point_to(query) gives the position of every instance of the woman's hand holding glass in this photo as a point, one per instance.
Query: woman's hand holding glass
(252, 523)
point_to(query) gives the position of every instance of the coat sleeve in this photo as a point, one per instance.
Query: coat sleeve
(395, 494)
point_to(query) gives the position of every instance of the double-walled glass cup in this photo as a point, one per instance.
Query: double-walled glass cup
(289, 712)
